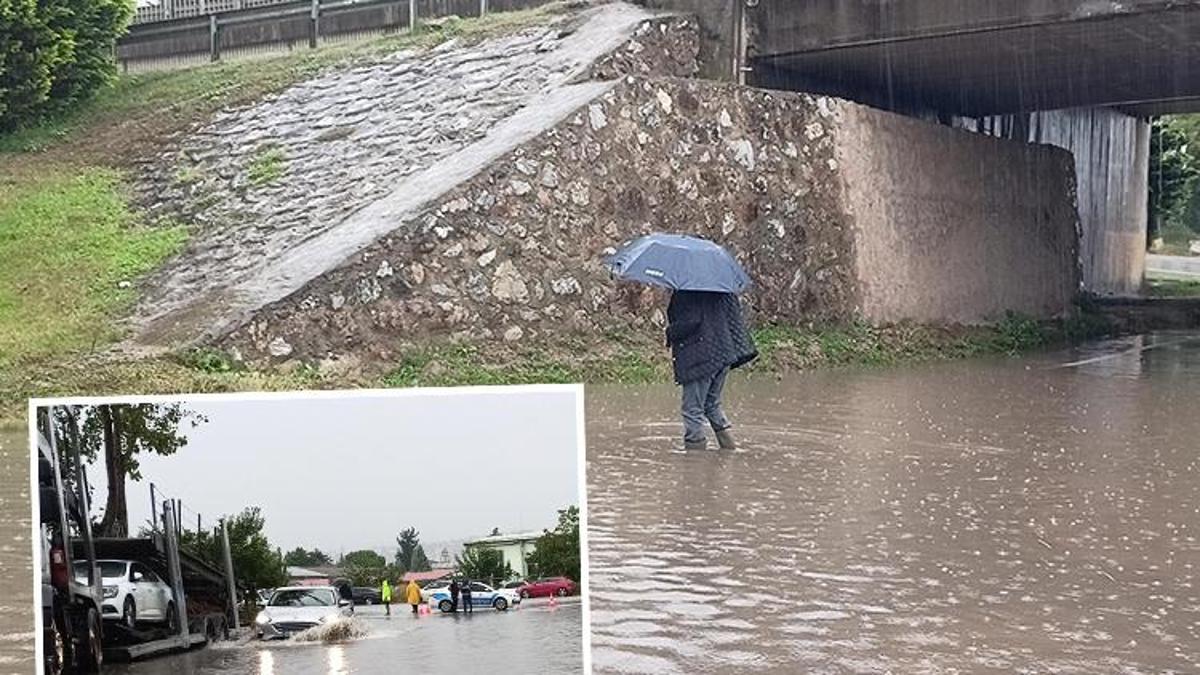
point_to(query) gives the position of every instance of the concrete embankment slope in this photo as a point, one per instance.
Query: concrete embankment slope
(478, 207)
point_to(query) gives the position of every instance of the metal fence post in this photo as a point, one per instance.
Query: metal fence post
(482, 7)
(412, 15)
(314, 27)
(214, 38)
(170, 518)
(231, 586)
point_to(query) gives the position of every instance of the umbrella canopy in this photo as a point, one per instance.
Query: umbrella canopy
(679, 262)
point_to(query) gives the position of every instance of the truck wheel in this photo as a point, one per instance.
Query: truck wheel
(172, 620)
(57, 653)
(500, 604)
(90, 653)
(129, 613)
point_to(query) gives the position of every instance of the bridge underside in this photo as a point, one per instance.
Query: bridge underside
(1144, 62)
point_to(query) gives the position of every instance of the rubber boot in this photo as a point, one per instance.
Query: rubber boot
(725, 439)
(695, 445)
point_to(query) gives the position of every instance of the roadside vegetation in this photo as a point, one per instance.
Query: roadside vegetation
(615, 358)
(1174, 203)
(1163, 287)
(73, 246)
(71, 249)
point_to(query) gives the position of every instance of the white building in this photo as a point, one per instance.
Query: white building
(514, 547)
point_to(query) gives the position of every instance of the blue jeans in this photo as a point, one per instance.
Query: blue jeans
(702, 401)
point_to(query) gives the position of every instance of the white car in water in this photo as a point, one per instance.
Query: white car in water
(482, 595)
(432, 587)
(133, 593)
(293, 609)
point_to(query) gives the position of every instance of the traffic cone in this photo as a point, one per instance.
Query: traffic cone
(553, 602)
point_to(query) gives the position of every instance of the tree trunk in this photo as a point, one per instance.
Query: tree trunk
(116, 517)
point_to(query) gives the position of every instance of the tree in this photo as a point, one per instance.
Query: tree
(299, 557)
(121, 433)
(557, 552)
(410, 556)
(365, 567)
(1174, 172)
(484, 564)
(54, 53)
(255, 562)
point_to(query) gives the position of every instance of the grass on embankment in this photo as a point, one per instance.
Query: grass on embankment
(69, 250)
(72, 247)
(1165, 287)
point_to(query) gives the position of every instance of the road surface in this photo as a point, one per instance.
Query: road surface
(1173, 265)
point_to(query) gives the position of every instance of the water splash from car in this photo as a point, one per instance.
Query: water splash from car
(341, 629)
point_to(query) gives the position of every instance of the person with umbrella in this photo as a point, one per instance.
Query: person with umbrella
(705, 330)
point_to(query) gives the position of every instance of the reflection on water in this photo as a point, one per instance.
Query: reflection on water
(1008, 516)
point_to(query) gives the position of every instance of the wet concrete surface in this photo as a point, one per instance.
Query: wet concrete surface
(535, 638)
(1019, 515)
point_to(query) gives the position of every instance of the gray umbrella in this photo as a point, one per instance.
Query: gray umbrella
(680, 263)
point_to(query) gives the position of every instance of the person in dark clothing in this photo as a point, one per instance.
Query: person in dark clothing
(453, 596)
(708, 337)
(466, 596)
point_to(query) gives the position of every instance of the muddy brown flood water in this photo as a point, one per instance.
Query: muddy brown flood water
(1020, 515)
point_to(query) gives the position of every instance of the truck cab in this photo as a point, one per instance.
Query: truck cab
(72, 631)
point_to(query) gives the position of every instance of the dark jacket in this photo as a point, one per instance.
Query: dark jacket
(706, 333)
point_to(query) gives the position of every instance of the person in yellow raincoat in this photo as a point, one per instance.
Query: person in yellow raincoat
(385, 596)
(412, 593)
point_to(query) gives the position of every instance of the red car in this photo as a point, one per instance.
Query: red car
(546, 587)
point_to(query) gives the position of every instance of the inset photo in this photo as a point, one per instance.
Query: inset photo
(424, 530)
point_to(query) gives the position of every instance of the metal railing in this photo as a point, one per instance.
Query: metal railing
(166, 10)
(205, 29)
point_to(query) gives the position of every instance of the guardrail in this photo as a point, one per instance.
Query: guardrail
(193, 29)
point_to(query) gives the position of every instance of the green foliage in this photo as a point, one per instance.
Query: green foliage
(1173, 288)
(115, 436)
(208, 360)
(55, 53)
(410, 555)
(298, 557)
(1017, 333)
(266, 167)
(1174, 174)
(365, 567)
(484, 564)
(72, 252)
(256, 563)
(557, 552)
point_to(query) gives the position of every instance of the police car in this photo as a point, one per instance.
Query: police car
(482, 595)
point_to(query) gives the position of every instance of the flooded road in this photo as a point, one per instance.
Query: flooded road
(536, 638)
(1021, 515)
(16, 580)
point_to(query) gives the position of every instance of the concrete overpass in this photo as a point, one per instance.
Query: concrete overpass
(983, 57)
(1084, 75)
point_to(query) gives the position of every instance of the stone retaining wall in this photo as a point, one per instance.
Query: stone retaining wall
(516, 253)
(837, 211)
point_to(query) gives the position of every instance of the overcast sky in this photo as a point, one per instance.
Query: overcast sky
(350, 473)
